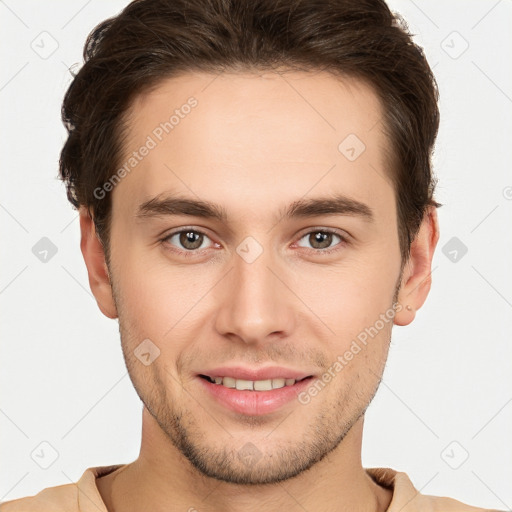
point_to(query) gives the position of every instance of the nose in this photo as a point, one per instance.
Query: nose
(255, 304)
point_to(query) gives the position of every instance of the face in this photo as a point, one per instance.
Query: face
(290, 258)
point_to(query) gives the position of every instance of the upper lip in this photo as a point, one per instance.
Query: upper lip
(239, 372)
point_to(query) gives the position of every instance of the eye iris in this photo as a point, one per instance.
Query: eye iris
(324, 239)
(191, 240)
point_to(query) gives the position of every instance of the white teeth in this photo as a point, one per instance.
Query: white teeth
(253, 385)
(263, 385)
(244, 384)
(278, 383)
(229, 382)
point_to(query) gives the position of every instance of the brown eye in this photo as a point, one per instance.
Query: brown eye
(191, 240)
(320, 240)
(188, 239)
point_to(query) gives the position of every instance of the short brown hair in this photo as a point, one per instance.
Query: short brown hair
(152, 40)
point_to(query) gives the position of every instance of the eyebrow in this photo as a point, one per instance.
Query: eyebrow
(337, 204)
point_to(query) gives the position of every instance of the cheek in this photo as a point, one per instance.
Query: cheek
(160, 297)
(355, 302)
(352, 296)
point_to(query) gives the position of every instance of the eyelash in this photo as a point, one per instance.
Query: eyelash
(324, 252)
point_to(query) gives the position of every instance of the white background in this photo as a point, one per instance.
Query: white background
(448, 378)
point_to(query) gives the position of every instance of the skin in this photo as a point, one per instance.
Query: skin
(254, 144)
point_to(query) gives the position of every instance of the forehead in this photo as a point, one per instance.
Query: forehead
(250, 137)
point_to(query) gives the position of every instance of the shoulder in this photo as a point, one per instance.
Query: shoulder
(406, 498)
(82, 496)
(61, 498)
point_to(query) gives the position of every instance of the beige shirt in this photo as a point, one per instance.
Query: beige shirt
(84, 496)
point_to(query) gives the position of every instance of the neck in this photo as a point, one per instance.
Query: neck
(162, 479)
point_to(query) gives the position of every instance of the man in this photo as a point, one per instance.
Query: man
(256, 208)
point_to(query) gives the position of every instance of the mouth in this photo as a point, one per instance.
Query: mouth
(253, 397)
(253, 385)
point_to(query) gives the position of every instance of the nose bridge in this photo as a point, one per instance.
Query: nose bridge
(255, 302)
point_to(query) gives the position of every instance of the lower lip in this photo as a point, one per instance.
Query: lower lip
(254, 403)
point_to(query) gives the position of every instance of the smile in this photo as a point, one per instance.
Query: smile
(253, 397)
(251, 385)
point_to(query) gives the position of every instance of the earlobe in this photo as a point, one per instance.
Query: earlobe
(94, 257)
(417, 279)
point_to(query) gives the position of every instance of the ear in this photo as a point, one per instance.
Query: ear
(94, 257)
(416, 278)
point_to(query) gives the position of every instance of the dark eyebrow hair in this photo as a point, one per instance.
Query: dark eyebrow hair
(169, 205)
(302, 208)
(336, 205)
